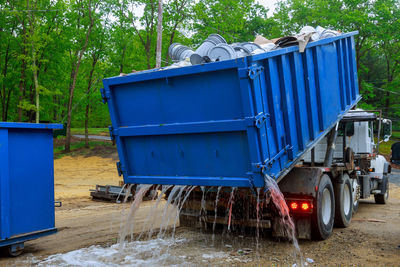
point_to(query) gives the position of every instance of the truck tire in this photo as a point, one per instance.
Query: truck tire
(343, 202)
(383, 198)
(324, 213)
(12, 253)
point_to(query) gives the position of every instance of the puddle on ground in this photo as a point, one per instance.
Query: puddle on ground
(190, 250)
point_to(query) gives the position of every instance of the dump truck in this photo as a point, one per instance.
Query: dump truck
(236, 123)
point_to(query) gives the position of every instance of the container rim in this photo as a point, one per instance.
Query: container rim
(27, 125)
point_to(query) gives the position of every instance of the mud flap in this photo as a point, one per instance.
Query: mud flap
(303, 228)
(301, 181)
(383, 184)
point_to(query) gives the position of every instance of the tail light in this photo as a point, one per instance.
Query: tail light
(300, 205)
(305, 206)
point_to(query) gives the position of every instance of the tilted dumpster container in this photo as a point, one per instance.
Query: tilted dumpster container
(26, 183)
(222, 123)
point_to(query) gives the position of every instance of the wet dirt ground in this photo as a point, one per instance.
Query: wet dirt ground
(373, 238)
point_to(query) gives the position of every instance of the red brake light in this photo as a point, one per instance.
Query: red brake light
(305, 206)
(293, 206)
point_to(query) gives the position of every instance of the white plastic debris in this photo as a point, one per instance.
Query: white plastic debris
(180, 64)
(318, 32)
(309, 260)
(258, 51)
(268, 47)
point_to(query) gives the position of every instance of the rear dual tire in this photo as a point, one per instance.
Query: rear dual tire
(324, 212)
(344, 202)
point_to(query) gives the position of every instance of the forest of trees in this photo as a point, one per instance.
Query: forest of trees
(54, 54)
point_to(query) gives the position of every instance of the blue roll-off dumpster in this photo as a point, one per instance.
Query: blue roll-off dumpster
(225, 123)
(26, 183)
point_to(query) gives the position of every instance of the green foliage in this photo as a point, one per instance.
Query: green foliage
(237, 21)
(396, 135)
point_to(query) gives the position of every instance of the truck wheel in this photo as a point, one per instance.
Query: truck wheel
(343, 202)
(14, 253)
(383, 198)
(323, 215)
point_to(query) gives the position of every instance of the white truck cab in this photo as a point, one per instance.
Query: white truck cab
(359, 137)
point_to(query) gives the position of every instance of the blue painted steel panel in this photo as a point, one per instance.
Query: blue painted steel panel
(26, 180)
(220, 124)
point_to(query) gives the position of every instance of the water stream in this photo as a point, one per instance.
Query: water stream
(163, 221)
(230, 205)
(285, 219)
(215, 214)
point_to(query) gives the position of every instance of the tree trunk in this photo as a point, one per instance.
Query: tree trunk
(121, 66)
(87, 125)
(69, 109)
(35, 79)
(22, 78)
(90, 82)
(56, 114)
(159, 34)
(4, 94)
(21, 89)
(74, 74)
(389, 80)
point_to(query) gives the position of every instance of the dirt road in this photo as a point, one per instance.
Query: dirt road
(372, 239)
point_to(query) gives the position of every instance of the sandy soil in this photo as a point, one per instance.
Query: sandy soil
(74, 176)
(373, 238)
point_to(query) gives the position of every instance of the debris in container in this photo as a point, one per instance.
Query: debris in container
(178, 52)
(221, 52)
(261, 40)
(204, 49)
(215, 48)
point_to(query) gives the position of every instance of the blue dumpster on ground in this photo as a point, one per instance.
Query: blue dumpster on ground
(26, 183)
(227, 123)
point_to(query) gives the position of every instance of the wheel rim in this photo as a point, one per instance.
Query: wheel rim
(326, 206)
(355, 191)
(346, 199)
(387, 191)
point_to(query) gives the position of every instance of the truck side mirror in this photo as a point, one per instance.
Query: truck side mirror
(387, 129)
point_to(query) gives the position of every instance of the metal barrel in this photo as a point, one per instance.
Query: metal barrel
(240, 50)
(179, 52)
(210, 42)
(221, 52)
(204, 49)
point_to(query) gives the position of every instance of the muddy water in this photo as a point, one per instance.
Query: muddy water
(166, 250)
